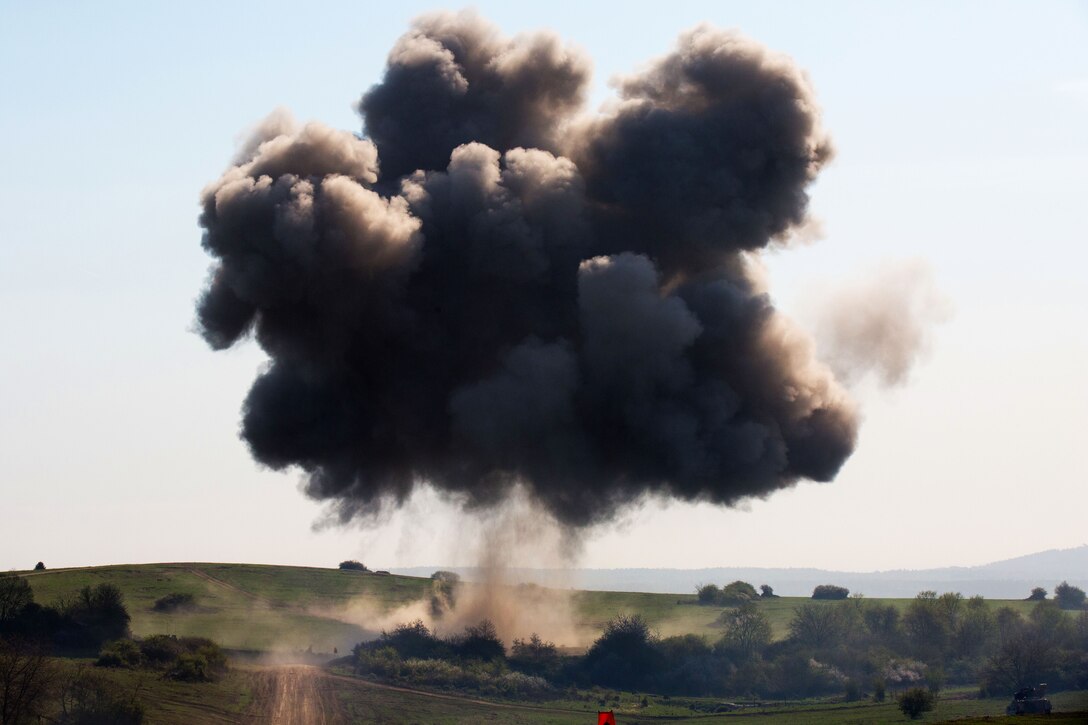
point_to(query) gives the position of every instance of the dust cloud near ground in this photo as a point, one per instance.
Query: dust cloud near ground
(496, 539)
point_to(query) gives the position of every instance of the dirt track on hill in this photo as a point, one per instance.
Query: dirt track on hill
(295, 695)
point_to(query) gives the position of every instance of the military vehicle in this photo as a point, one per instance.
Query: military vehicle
(1029, 700)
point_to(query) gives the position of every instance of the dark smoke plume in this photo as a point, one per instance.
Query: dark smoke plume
(490, 291)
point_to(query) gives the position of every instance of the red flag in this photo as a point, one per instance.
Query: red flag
(606, 718)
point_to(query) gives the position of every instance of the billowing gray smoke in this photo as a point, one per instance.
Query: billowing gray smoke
(490, 290)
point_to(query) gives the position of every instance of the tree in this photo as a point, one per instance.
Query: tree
(830, 591)
(766, 592)
(881, 622)
(1037, 594)
(100, 612)
(353, 565)
(15, 594)
(816, 625)
(39, 567)
(738, 592)
(625, 655)
(1068, 596)
(708, 594)
(916, 701)
(481, 642)
(535, 656)
(27, 679)
(747, 630)
(926, 625)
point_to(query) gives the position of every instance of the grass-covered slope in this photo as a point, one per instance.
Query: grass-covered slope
(259, 607)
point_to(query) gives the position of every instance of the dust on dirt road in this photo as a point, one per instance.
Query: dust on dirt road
(295, 695)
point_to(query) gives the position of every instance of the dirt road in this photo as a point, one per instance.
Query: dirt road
(295, 695)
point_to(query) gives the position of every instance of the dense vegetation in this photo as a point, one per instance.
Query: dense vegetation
(853, 648)
(35, 686)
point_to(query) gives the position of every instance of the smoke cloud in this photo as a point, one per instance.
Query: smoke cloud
(882, 324)
(491, 289)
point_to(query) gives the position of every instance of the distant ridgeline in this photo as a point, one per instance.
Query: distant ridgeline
(1009, 579)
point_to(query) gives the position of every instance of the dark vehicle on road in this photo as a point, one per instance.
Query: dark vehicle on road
(1029, 700)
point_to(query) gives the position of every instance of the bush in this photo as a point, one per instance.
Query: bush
(203, 661)
(352, 565)
(1068, 596)
(480, 642)
(738, 593)
(535, 656)
(708, 594)
(160, 650)
(766, 592)
(916, 701)
(175, 602)
(830, 591)
(39, 567)
(1037, 594)
(410, 640)
(120, 653)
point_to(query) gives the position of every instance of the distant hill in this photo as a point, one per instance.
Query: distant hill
(1008, 579)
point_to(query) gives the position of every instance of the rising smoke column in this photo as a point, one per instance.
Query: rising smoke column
(489, 290)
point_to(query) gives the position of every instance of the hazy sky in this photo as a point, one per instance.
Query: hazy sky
(960, 130)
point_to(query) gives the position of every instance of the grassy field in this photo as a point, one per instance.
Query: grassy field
(242, 696)
(283, 608)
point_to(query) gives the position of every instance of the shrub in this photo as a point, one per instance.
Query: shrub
(352, 565)
(1037, 594)
(175, 602)
(480, 642)
(830, 591)
(120, 653)
(411, 640)
(159, 650)
(708, 594)
(738, 593)
(39, 567)
(916, 701)
(202, 661)
(535, 656)
(766, 592)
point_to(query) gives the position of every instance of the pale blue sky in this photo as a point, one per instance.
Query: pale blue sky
(961, 136)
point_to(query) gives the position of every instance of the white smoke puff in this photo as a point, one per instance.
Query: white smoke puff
(882, 324)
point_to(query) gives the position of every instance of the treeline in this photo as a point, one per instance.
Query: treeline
(77, 624)
(93, 621)
(854, 648)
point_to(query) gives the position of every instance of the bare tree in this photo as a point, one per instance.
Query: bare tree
(27, 679)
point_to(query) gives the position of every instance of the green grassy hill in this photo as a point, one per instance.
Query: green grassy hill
(285, 608)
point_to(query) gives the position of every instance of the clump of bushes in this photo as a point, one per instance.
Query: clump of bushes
(738, 592)
(830, 591)
(175, 602)
(189, 659)
(352, 565)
